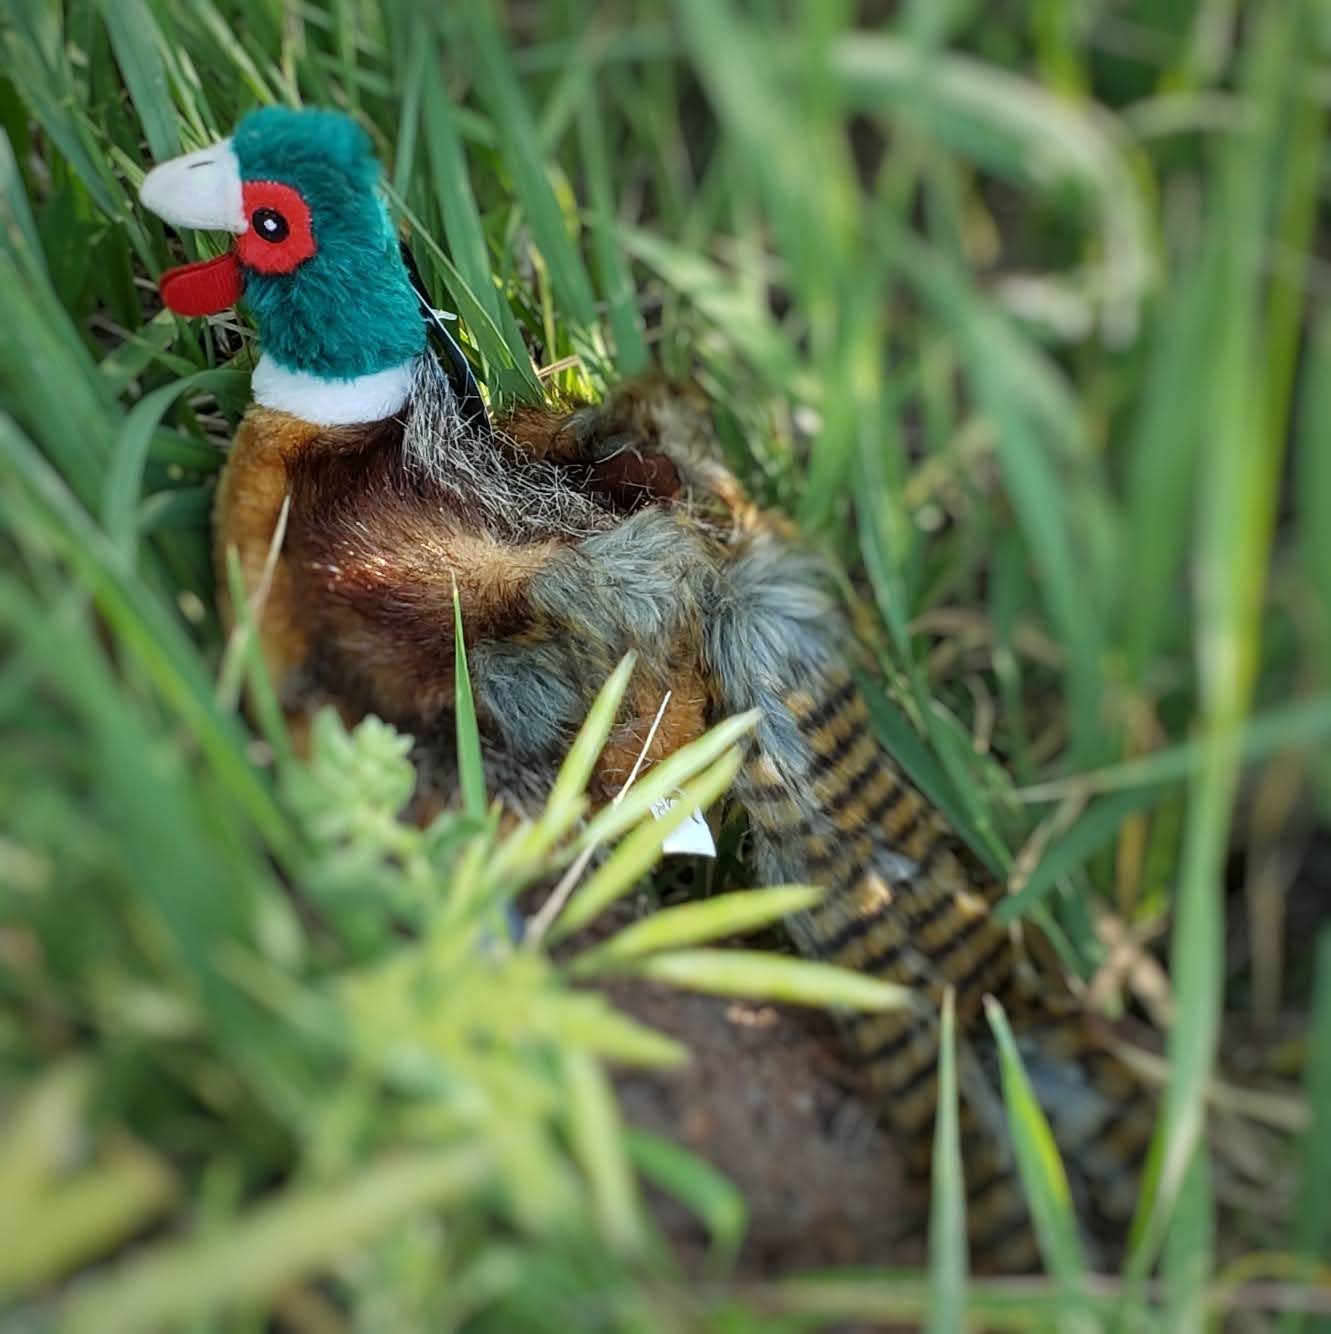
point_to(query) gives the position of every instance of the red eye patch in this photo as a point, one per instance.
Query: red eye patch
(279, 236)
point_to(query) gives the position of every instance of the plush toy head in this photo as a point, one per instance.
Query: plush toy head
(316, 258)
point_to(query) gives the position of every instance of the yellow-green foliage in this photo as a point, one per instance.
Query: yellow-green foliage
(1010, 305)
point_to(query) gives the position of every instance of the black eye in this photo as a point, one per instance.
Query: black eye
(270, 224)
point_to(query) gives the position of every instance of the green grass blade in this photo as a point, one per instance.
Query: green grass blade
(1162, 465)
(589, 1021)
(1074, 847)
(82, 1219)
(663, 782)
(1044, 457)
(1231, 554)
(972, 818)
(1312, 1222)
(616, 282)
(747, 325)
(299, 1232)
(712, 1198)
(137, 42)
(221, 34)
(145, 629)
(1301, 726)
(717, 918)
(249, 660)
(756, 975)
(471, 770)
(508, 358)
(20, 225)
(639, 852)
(1188, 1259)
(1312, 491)
(1043, 1177)
(455, 197)
(123, 484)
(499, 88)
(1016, 127)
(37, 63)
(576, 771)
(598, 1143)
(947, 1209)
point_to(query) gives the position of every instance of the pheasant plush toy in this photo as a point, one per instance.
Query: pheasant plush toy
(572, 539)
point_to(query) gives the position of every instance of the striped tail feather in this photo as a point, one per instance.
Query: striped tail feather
(907, 902)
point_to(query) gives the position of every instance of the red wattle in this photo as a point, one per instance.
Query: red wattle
(205, 288)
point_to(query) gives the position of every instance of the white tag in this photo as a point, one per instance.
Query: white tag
(693, 838)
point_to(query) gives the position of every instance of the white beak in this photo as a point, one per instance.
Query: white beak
(199, 190)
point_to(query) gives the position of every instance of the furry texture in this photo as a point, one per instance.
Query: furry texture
(513, 493)
(386, 517)
(350, 309)
(639, 585)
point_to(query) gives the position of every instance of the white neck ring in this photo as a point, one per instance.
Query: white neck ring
(363, 398)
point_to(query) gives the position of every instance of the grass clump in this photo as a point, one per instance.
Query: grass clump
(1013, 307)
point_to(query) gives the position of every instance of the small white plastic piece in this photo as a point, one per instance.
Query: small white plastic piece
(366, 398)
(691, 839)
(199, 190)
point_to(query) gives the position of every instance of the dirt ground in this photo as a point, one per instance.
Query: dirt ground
(768, 1101)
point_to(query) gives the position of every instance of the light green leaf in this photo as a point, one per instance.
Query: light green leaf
(597, 1135)
(1312, 1223)
(299, 1232)
(639, 852)
(714, 1199)
(947, 1211)
(576, 770)
(774, 977)
(471, 771)
(1043, 1177)
(137, 42)
(665, 781)
(694, 923)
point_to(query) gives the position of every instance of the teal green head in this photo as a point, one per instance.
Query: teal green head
(316, 259)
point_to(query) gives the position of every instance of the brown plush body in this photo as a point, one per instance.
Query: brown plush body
(359, 610)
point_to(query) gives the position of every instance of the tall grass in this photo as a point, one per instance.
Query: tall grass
(1013, 307)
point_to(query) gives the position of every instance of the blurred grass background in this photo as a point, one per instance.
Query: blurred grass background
(1017, 307)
